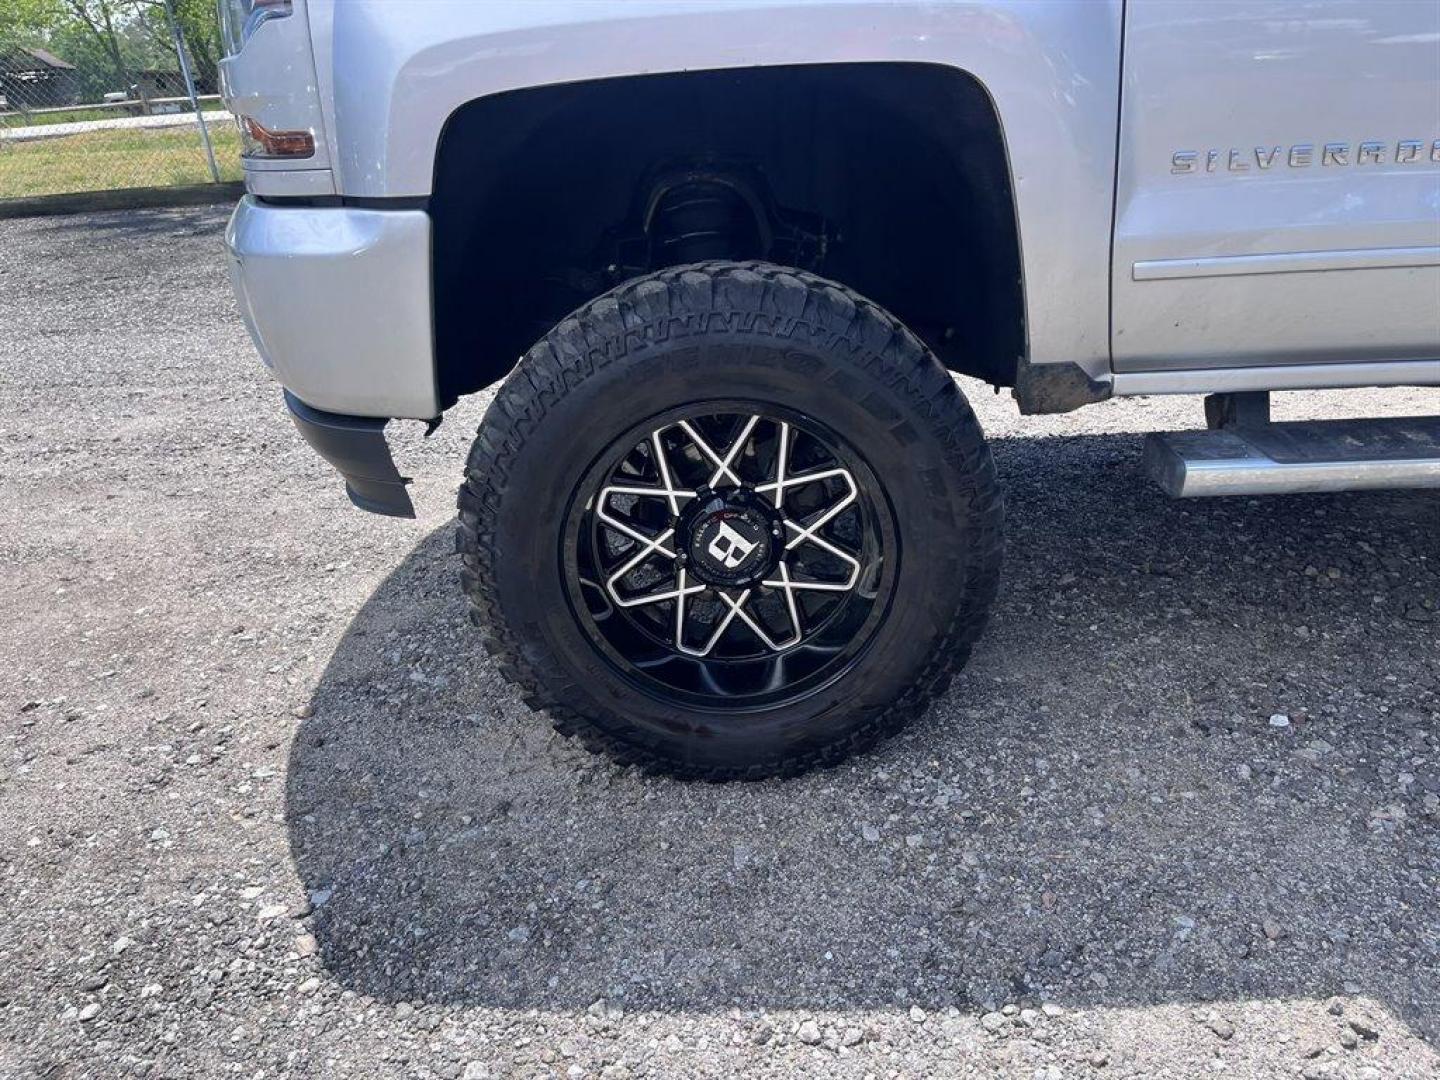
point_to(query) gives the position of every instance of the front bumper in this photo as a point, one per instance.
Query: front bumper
(338, 302)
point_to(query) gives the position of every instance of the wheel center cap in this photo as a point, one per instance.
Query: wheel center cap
(731, 539)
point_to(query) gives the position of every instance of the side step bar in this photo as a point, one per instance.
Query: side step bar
(1290, 458)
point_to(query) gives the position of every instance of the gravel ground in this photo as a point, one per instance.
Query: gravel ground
(267, 810)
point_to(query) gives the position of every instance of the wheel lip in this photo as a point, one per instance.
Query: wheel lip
(590, 483)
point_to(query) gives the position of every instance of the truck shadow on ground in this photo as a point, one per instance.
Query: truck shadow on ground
(1098, 812)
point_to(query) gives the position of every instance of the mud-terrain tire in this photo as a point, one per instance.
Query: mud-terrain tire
(843, 624)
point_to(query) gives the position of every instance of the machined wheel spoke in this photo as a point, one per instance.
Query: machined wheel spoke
(612, 583)
(783, 483)
(790, 585)
(678, 593)
(648, 546)
(683, 541)
(797, 631)
(757, 629)
(640, 491)
(664, 467)
(722, 464)
(782, 459)
(735, 607)
(807, 532)
(827, 546)
(811, 532)
(650, 543)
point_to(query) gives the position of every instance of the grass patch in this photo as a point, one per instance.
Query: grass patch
(106, 160)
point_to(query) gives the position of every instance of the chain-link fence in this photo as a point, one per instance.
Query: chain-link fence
(98, 95)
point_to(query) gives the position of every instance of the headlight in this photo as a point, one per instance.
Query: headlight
(240, 18)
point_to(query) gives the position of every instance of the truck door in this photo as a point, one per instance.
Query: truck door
(1278, 195)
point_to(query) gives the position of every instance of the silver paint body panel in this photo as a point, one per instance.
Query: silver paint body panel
(337, 301)
(273, 80)
(1279, 377)
(1292, 262)
(1050, 66)
(1231, 76)
(1276, 277)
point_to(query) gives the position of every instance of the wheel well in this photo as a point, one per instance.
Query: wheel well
(890, 178)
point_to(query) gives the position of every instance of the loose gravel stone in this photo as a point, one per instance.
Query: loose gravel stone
(1222, 1028)
(1363, 1025)
(229, 694)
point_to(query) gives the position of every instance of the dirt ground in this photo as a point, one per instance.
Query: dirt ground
(267, 810)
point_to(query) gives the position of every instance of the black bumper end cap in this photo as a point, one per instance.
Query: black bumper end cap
(378, 497)
(356, 447)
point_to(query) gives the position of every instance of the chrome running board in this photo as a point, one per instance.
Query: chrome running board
(1290, 458)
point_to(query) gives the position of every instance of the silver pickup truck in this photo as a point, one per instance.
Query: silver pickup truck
(729, 515)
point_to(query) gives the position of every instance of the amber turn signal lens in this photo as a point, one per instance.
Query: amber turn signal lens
(260, 141)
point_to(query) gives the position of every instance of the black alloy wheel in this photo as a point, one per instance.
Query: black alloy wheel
(729, 558)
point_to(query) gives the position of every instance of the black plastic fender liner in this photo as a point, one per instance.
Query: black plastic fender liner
(1055, 388)
(356, 446)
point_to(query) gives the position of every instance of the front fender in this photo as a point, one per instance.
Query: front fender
(391, 74)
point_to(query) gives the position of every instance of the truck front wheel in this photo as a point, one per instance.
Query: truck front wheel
(730, 521)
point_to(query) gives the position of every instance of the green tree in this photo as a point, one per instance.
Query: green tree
(111, 41)
(27, 22)
(199, 23)
(102, 21)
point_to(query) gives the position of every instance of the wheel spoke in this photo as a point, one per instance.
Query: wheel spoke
(807, 532)
(665, 473)
(653, 554)
(789, 584)
(650, 548)
(678, 593)
(722, 465)
(641, 491)
(754, 625)
(790, 604)
(811, 532)
(820, 542)
(602, 511)
(783, 484)
(719, 630)
(782, 457)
